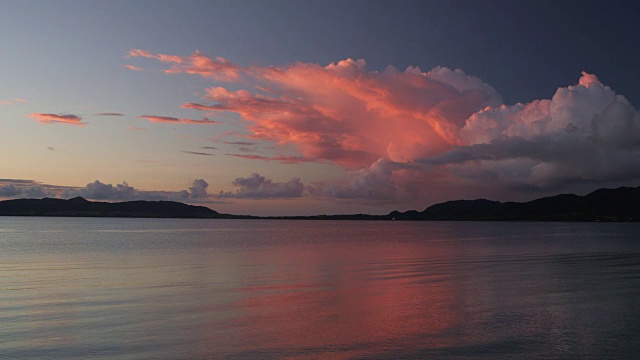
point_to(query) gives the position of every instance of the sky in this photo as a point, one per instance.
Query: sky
(312, 107)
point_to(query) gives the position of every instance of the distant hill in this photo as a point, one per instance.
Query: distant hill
(80, 207)
(621, 204)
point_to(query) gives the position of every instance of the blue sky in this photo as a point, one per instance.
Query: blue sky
(354, 151)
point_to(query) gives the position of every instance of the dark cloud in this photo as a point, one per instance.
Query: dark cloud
(197, 153)
(109, 114)
(259, 187)
(169, 119)
(198, 189)
(123, 192)
(375, 183)
(244, 143)
(13, 188)
(281, 159)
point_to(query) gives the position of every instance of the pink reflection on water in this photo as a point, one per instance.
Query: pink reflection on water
(354, 305)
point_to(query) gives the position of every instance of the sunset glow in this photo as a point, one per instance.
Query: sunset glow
(312, 127)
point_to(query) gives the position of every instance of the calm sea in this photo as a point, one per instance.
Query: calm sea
(82, 288)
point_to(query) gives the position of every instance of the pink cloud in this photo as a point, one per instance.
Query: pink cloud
(346, 114)
(134, 68)
(197, 63)
(135, 128)
(168, 119)
(12, 101)
(57, 118)
(161, 57)
(403, 132)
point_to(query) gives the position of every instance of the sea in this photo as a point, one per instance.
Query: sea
(122, 288)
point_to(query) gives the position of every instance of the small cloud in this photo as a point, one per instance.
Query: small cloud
(281, 159)
(135, 128)
(209, 147)
(12, 101)
(51, 148)
(198, 189)
(174, 120)
(246, 149)
(109, 114)
(147, 54)
(47, 118)
(197, 153)
(134, 68)
(243, 143)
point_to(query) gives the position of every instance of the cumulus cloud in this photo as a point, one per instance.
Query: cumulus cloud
(345, 113)
(12, 188)
(46, 118)
(259, 187)
(198, 189)
(585, 133)
(375, 182)
(168, 119)
(394, 128)
(98, 190)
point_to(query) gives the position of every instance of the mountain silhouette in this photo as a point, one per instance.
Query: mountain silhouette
(621, 204)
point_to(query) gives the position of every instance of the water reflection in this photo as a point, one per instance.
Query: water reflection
(318, 290)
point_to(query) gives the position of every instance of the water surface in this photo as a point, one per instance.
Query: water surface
(83, 288)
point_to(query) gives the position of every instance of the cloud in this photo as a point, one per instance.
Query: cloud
(198, 189)
(97, 190)
(197, 153)
(10, 188)
(134, 68)
(12, 101)
(109, 114)
(123, 192)
(281, 159)
(168, 119)
(161, 57)
(51, 148)
(404, 133)
(46, 118)
(209, 147)
(197, 63)
(375, 182)
(135, 128)
(585, 133)
(244, 143)
(259, 187)
(349, 115)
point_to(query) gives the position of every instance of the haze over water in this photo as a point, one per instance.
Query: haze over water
(83, 288)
